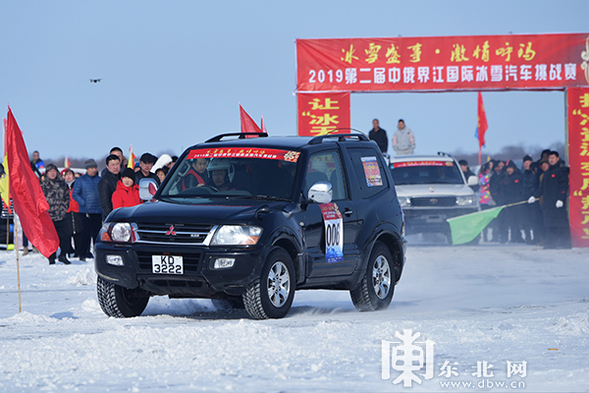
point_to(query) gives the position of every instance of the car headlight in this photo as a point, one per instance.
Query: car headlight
(468, 200)
(119, 232)
(233, 235)
(405, 201)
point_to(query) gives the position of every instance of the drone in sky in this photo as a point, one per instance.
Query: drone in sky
(95, 80)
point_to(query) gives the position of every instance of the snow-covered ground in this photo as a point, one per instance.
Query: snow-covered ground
(478, 307)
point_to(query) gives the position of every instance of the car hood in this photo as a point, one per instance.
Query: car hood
(209, 213)
(428, 190)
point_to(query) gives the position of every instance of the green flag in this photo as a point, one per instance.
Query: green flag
(466, 228)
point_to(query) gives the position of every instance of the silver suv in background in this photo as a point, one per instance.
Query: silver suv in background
(432, 189)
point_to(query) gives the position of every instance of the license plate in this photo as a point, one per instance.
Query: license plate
(167, 264)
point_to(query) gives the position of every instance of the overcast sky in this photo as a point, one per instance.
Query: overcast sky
(173, 72)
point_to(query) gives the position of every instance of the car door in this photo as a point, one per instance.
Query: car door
(330, 229)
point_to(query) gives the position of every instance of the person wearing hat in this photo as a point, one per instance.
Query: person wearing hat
(511, 190)
(89, 215)
(58, 198)
(403, 139)
(127, 192)
(145, 164)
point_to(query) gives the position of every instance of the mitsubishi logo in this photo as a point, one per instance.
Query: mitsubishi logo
(171, 231)
(433, 201)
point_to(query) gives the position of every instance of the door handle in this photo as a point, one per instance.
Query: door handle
(348, 212)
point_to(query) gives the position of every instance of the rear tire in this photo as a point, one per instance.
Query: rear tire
(120, 302)
(376, 289)
(271, 296)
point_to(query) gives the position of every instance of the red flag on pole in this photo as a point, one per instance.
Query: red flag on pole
(27, 196)
(247, 123)
(481, 125)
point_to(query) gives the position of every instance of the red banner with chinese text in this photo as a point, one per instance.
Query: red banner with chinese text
(578, 129)
(498, 62)
(323, 113)
(244, 152)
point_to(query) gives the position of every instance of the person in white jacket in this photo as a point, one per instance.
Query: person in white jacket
(403, 139)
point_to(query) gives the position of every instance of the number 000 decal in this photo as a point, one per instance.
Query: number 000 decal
(334, 232)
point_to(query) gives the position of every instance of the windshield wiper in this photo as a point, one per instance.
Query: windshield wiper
(264, 197)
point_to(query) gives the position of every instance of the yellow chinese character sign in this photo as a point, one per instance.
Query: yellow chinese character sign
(323, 113)
(578, 130)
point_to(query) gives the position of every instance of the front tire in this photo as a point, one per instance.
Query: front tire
(376, 289)
(271, 296)
(120, 302)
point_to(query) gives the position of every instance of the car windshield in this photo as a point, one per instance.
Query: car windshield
(233, 172)
(426, 172)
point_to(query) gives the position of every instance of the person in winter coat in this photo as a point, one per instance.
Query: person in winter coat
(108, 184)
(403, 139)
(85, 193)
(72, 214)
(379, 135)
(37, 165)
(145, 164)
(511, 191)
(58, 197)
(554, 191)
(532, 218)
(485, 193)
(497, 174)
(127, 192)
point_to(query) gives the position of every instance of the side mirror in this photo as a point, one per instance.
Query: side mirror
(147, 189)
(320, 192)
(473, 181)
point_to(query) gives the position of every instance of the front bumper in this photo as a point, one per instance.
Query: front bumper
(200, 279)
(420, 220)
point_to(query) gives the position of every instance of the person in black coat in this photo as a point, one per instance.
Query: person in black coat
(511, 191)
(554, 190)
(108, 184)
(379, 135)
(532, 218)
(496, 176)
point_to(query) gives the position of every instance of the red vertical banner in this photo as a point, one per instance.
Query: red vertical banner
(578, 128)
(323, 113)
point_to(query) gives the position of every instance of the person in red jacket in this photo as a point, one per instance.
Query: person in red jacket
(127, 192)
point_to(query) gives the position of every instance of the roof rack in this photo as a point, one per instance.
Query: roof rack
(340, 137)
(441, 153)
(239, 135)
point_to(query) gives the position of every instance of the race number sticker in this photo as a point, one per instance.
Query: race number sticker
(334, 232)
(371, 171)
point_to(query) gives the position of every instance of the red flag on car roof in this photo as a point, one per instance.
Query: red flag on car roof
(27, 196)
(247, 123)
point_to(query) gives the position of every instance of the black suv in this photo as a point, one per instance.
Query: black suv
(246, 219)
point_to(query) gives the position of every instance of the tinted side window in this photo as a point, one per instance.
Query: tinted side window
(369, 171)
(326, 166)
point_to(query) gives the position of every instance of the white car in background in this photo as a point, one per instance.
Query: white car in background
(432, 189)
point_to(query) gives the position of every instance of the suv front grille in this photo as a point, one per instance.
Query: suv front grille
(434, 201)
(173, 233)
(190, 260)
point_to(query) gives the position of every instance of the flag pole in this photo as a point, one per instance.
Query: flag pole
(17, 262)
